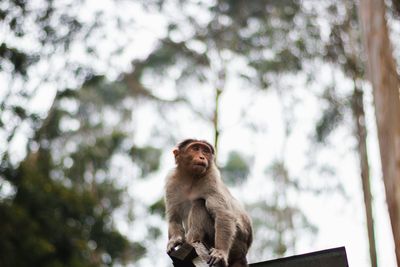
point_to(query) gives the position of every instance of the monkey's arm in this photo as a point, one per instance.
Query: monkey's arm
(175, 229)
(176, 232)
(174, 212)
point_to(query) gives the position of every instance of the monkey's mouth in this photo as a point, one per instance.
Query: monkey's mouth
(200, 164)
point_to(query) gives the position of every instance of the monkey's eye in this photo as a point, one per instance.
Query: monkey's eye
(206, 151)
(195, 148)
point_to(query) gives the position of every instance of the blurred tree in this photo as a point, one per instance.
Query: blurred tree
(46, 46)
(396, 7)
(208, 43)
(47, 223)
(344, 50)
(382, 73)
(44, 21)
(66, 188)
(236, 168)
(278, 39)
(47, 220)
(282, 215)
(148, 158)
(229, 33)
(278, 223)
(33, 32)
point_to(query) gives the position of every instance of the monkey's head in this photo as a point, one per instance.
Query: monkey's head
(194, 156)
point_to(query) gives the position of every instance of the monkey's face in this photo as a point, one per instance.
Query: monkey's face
(196, 158)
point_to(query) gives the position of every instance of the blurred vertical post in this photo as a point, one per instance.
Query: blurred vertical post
(385, 82)
(217, 131)
(361, 135)
(218, 92)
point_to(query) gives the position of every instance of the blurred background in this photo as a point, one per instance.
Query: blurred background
(95, 94)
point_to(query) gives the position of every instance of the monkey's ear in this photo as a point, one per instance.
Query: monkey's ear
(176, 152)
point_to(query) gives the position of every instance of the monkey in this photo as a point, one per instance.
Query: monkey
(200, 208)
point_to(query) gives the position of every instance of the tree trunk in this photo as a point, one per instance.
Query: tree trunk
(385, 83)
(361, 134)
(218, 93)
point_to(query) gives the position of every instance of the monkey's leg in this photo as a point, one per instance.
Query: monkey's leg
(239, 249)
(200, 223)
(239, 263)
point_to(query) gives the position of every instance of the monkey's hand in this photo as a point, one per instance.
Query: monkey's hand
(218, 256)
(193, 237)
(174, 242)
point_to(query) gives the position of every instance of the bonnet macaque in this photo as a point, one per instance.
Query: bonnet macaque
(200, 208)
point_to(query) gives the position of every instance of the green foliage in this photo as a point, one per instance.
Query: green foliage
(44, 23)
(61, 213)
(39, 33)
(277, 227)
(147, 158)
(330, 119)
(95, 156)
(161, 57)
(271, 39)
(20, 60)
(277, 221)
(50, 224)
(98, 91)
(332, 114)
(283, 30)
(158, 207)
(342, 49)
(236, 168)
(154, 233)
(138, 250)
(344, 46)
(65, 192)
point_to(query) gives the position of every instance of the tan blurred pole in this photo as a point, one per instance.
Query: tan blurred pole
(385, 82)
(361, 134)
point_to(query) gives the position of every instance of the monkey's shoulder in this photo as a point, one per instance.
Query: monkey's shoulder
(172, 180)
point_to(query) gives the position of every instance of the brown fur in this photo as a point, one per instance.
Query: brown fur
(200, 208)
